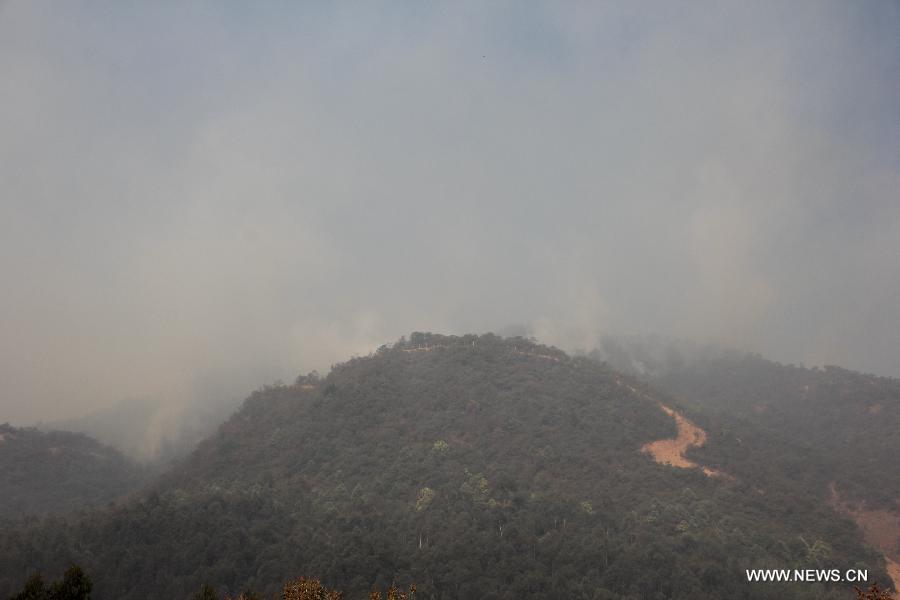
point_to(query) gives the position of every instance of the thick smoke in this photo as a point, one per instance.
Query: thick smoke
(208, 197)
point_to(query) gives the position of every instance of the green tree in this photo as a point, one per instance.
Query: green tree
(34, 589)
(75, 585)
(207, 592)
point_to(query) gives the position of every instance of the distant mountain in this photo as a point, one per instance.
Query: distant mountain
(148, 431)
(474, 466)
(59, 471)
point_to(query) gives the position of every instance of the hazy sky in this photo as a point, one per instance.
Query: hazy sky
(201, 198)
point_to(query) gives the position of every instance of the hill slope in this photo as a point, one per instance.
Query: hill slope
(476, 467)
(836, 430)
(848, 420)
(59, 471)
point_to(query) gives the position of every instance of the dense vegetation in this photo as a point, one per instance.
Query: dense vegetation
(818, 425)
(476, 467)
(59, 471)
(74, 585)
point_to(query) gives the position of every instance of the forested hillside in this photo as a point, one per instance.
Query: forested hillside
(830, 433)
(841, 426)
(475, 467)
(59, 471)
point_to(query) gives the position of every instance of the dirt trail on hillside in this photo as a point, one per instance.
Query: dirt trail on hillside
(425, 348)
(671, 451)
(881, 529)
(665, 452)
(537, 355)
(893, 569)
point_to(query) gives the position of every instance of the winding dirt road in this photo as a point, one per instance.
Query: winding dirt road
(671, 451)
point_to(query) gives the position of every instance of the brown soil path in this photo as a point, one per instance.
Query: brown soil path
(881, 529)
(536, 355)
(671, 451)
(893, 569)
(425, 348)
(666, 452)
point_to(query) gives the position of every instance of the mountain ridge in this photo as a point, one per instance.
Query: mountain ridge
(59, 471)
(488, 467)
